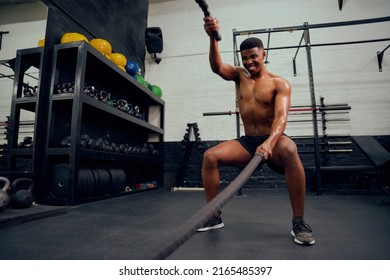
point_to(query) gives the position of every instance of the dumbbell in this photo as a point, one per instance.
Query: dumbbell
(91, 144)
(121, 148)
(27, 142)
(99, 144)
(28, 91)
(66, 142)
(65, 88)
(84, 139)
(90, 91)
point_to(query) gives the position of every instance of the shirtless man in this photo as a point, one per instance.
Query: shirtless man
(264, 102)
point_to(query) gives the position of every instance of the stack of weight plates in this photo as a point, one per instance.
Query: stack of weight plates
(91, 181)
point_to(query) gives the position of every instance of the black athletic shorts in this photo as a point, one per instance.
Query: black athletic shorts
(250, 143)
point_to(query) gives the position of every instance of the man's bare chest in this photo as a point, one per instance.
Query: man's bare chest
(262, 92)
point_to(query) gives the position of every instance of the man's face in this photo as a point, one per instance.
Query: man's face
(252, 59)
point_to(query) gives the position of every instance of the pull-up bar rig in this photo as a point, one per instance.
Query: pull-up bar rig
(306, 36)
(307, 26)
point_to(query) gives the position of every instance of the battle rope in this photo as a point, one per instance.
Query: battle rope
(184, 232)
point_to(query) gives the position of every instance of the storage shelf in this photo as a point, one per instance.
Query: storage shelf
(108, 109)
(22, 152)
(68, 116)
(102, 155)
(26, 100)
(104, 69)
(104, 107)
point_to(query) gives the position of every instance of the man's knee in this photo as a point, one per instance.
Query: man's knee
(210, 158)
(291, 150)
(288, 151)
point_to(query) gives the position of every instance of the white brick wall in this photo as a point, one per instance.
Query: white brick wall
(342, 74)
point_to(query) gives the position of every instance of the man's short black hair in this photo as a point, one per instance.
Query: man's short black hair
(251, 43)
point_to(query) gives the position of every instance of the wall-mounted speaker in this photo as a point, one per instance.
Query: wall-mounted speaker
(153, 40)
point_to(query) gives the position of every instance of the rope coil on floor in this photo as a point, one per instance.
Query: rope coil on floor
(184, 232)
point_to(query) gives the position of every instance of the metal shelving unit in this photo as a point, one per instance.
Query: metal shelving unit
(77, 171)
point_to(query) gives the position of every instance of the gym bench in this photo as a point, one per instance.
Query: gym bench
(379, 157)
(363, 171)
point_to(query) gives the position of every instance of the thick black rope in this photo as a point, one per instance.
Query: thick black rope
(205, 8)
(184, 232)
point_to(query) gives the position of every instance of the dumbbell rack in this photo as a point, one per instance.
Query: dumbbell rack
(187, 147)
(73, 114)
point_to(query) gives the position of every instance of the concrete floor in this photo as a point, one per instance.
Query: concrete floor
(257, 227)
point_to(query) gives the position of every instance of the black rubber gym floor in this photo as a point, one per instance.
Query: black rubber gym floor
(257, 226)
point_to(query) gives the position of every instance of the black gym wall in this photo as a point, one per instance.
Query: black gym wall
(121, 22)
(181, 173)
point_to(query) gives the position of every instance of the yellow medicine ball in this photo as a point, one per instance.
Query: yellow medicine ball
(101, 45)
(41, 42)
(72, 37)
(119, 59)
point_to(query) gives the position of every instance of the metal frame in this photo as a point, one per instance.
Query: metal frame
(1, 36)
(307, 26)
(340, 4)
(380, 58)
(6, 63)
(308, 46)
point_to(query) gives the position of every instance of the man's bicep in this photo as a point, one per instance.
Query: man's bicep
(283, 97)
(228, 72)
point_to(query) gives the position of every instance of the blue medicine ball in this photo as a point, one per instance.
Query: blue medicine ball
(131, 67)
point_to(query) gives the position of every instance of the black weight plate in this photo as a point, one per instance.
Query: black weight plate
(81, 181)
(105, 179)
(86, 183)
(114, 188)
(97, 188)
(91, 182)
(118, 180)
(61, 181)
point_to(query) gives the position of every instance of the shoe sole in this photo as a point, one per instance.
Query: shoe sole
(301, 242)
(210, 228)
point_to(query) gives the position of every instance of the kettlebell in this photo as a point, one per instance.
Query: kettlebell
(22, 189)
(4, 196)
